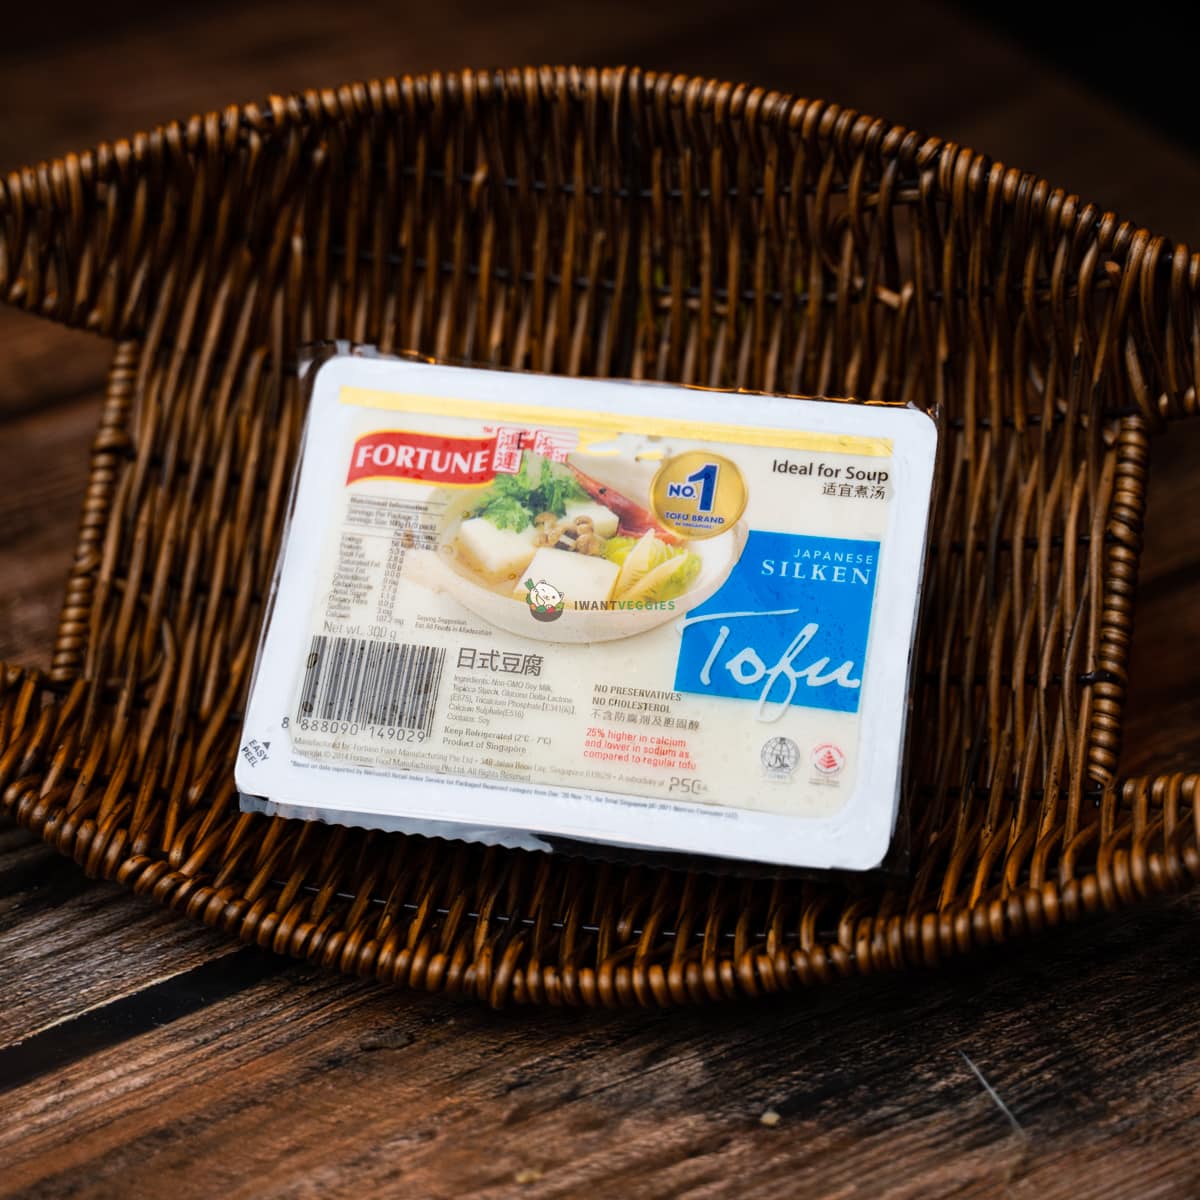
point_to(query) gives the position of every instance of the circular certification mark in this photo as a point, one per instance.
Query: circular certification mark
(779, 757)
(828, 759)
(698, 494)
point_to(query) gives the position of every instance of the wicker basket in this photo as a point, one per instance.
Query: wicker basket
(602, 223)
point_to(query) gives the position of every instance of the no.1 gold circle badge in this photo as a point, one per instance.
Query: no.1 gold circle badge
(698, 494)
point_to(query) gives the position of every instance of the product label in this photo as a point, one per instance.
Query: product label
(549, 602)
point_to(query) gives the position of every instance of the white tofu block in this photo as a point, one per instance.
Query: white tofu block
(495, 553)
(577, 576)
(604, 520)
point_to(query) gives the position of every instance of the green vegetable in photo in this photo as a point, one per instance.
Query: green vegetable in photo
(539, 486)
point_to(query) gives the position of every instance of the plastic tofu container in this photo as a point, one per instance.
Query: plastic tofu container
(516, 608)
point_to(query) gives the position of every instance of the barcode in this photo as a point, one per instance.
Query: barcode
(371, 683)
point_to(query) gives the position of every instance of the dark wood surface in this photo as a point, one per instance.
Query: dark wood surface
(141, 1055)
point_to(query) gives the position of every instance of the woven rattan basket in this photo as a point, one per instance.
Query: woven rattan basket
(601, 223)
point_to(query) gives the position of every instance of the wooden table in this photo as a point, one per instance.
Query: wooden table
(141, 1055)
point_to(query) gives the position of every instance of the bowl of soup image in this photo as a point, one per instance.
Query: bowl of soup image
(590, 568)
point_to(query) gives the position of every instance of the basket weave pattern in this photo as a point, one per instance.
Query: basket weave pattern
(612, 223)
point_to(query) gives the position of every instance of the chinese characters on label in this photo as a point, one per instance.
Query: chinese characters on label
(505, 662)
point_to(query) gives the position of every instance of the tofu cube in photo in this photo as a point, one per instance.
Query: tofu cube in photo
(496, 554)
(577, 576)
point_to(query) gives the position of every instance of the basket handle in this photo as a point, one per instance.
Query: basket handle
(96, 240)
(1158, 306)
(44, 247)
(78, 236)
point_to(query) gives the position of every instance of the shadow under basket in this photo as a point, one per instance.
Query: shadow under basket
(613, 223)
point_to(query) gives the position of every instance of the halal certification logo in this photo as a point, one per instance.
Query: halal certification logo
(779, 757)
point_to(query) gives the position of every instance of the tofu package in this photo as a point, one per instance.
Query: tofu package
(537, 611)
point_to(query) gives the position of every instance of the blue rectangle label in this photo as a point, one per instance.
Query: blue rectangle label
(788, 627)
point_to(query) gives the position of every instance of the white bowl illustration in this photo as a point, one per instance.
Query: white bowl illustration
(441, 570)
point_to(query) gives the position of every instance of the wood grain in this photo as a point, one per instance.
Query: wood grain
(1162, 730)
(328, 1087)
(51, 915)
(44, 364)
(46, 460)
(156, 1058)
